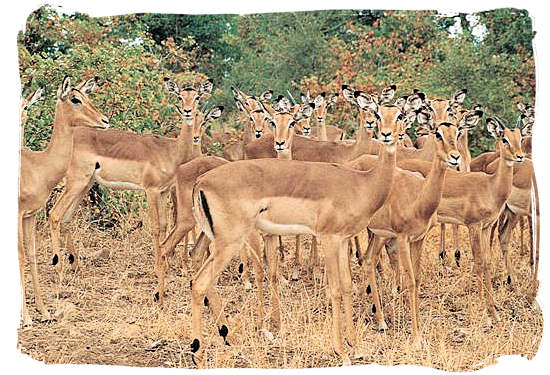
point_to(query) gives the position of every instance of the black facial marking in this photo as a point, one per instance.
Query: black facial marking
(241, 268)
(195, 345)
(55, 260)
(223, 331)
(205, 301)
(369, 291)
(71, 258)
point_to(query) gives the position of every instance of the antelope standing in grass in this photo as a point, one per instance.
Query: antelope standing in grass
(122, 160)
(236, 199)
(476, 199)
(41, 171)
(408, 214)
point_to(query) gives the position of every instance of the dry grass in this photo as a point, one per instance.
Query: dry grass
(106, 313)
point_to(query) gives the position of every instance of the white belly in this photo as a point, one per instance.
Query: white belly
(117, 185)
(270, 227)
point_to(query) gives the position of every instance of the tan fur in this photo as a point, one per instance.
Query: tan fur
(476, 200)
(41, 171)
(122, 160)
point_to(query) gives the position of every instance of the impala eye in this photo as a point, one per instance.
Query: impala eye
(400, 117)
(439, 136)
(291, 124)
(25, 108)
(75, 100)
(505, 141)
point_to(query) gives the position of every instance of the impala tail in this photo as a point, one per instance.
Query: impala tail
(202, 212)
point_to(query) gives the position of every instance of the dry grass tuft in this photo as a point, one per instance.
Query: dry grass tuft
(106, 314)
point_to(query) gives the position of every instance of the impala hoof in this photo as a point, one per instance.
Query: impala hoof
(382, 326)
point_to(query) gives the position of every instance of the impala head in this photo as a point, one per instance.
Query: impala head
(510, 139)
(321, 104)
(526, 119)
(303, 122)
(76, 107)
(368, 109)
(284, 122)
(31, 99)
(446, 110)
(189, 97)
(202, 120)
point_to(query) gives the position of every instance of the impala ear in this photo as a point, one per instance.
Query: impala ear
(423, 118)
(332, 99)
(527, 130)
(36, 96)
(171, 86)
(304, 98)
(65, 89)
(213, 114)
(347, 93)
(267, 95)
(305, 111)
(365, 101)
(409, 119)
(319, 100)
(282, 104)
(414, 102)
(459, 96)
(521, 106)
(470, 119)
(87, 86)
(400, 102)
(495, 127)
(206, 86)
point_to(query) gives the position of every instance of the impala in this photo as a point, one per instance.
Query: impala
(476, 199)
(41, 171)
(126, 161)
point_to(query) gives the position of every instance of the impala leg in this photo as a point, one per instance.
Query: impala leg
(416, 258)
(373, 255)
(243, 268)
(393, 255)
(154, 201)
(521, 236)
(272, 256)
(508, 223)
(346, 285)
(72, 252)
(410, 284)
(256, 258)
(21, 252)
(315, 252)
(62, 213)
(295, 273)
(332, 246)
(456, 244)
(488, 285)
(442, 253)
(204, 282)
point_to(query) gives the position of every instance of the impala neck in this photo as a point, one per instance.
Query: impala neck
(502, 179)
(467, 157)
(58, 151)
(432, 190)
(185, 147)
(322, 131)
(378, 181)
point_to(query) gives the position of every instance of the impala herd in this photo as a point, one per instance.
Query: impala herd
(292, 174)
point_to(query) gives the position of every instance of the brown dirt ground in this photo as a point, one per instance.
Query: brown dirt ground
(106, 314)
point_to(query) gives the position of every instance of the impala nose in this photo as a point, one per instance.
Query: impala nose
(519, 158)
(454, 160)
(258, 133)
(196, 139)
(306, 131)
(280, 146)
(386, 137)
